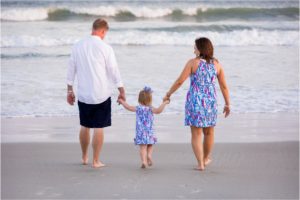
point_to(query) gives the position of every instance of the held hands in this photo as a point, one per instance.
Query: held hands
(167, 97)
(71, 98)
(167, 101)
(121, 95)
(120, 101)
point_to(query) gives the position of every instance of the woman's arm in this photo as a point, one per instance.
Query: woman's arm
(224, 88)
(127, 106)
(180, 80)
(160, 108)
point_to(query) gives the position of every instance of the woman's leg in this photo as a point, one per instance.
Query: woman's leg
(143, 154)
(149, 154)
(84, 137)
(197, 146)
(208, 143)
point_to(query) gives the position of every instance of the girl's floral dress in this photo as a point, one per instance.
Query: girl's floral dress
(144, 126)
(201, 100)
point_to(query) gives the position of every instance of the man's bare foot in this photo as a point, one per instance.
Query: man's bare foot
(143, 166)
(150, 163)
(200, 168)
(207, 161)
(85, 160)
(98, 165)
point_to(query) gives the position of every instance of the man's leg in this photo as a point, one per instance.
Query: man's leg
(97, 146)
(84, 137)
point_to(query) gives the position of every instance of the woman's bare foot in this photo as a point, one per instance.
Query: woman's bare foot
(85, 160)
(207, 161)
(98, 165)
(150, 163)
(143, 166)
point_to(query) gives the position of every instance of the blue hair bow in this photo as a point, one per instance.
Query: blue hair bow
(148, 89)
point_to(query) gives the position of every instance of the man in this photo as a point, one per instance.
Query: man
(94, 63)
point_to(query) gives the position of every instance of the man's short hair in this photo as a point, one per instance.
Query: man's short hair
(100, 24)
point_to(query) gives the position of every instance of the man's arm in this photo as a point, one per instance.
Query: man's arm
(114, 73)
(70, 80)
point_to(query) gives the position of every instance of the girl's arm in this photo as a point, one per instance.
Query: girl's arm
(223, 87)
(160, 108)
(127, 106)
(180, 80)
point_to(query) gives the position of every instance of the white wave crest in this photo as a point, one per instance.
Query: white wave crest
(28, 14)
(134, 37)
(110, 11)
(233, 38)
(34, 41)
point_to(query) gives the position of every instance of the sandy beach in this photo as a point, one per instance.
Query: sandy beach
(33, 168)
(53, 171)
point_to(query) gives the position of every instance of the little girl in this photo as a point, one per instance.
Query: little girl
(144, 124)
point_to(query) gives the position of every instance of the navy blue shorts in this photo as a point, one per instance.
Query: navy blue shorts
(95, 115)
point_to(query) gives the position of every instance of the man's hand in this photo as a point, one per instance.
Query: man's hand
(121, 95)
(71, 98)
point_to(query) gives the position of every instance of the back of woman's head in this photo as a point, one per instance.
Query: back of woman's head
(206, 49)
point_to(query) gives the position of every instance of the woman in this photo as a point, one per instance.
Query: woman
(201, 100)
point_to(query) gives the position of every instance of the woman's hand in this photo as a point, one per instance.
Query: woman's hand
(226, 110)
(167, 97)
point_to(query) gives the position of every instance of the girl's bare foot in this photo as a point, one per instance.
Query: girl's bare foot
(150, 163)
(98, 165)
(207, 161)
(143, 166)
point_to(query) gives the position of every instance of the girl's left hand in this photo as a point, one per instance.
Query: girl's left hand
(167, 101)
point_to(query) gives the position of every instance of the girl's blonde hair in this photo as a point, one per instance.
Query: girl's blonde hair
(145, 96)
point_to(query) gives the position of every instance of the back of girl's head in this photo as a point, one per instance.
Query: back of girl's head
(205, 47)
(145, 96)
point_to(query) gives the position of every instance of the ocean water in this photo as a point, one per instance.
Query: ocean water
(257, 42)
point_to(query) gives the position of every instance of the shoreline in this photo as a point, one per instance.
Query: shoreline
(237, 128)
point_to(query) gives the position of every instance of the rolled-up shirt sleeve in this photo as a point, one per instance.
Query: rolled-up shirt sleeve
(113, 69)
(71, 73)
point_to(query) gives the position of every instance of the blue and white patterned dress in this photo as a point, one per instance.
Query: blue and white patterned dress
(201, 100)
(144, 126)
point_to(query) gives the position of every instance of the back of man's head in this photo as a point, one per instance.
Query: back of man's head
(100, 24)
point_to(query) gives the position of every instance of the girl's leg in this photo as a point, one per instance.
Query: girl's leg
(197, 146)
(143, 154)
(97, 146)
(84, 137)
(149, 154)
(208, 144)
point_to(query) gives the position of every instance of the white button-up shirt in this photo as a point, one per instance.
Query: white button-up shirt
(94, 63)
